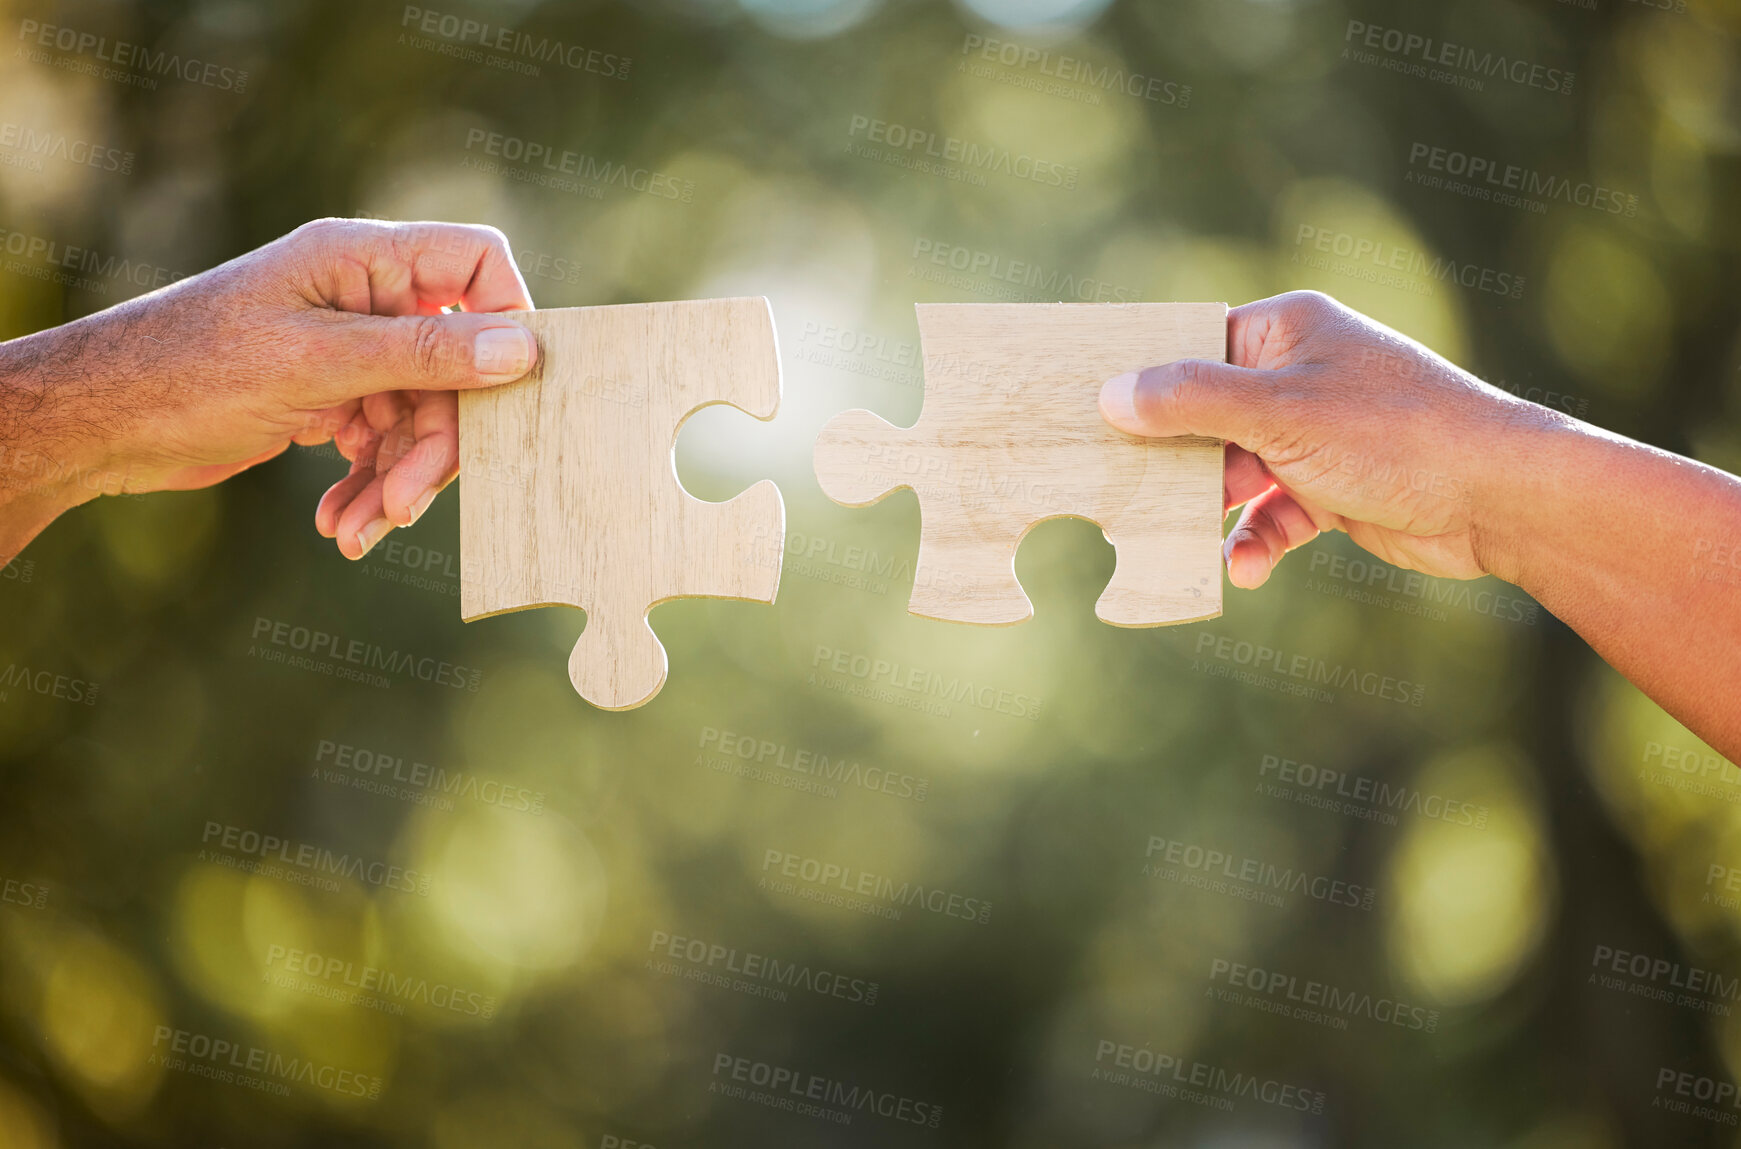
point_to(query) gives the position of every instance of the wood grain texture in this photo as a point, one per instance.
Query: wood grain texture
(1011, 435)
(569, 491)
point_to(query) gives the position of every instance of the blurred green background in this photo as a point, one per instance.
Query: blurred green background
(1515, 829)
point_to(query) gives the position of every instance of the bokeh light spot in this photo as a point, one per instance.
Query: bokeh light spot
(1470, 902)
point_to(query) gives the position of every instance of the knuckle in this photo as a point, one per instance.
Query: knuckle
(1173, 395)
(1310, 303)
(431, 349)
(1193, 377)
(327, 232)
(1179, 395)
(489, 235)
(451, 248)
(1315, 311)
(1303, 309)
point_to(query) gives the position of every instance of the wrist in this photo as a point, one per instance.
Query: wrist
(1537, 464)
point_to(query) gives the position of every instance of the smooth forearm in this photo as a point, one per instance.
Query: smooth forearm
(1335, 422)
(1639, 551)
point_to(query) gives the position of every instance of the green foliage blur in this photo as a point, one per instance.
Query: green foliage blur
(1028, 908)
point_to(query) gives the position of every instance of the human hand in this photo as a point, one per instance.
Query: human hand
(336, 331)
(1335, 422)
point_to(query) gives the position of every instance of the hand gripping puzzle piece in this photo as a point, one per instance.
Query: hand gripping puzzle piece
(569, 491)
(1011, 435)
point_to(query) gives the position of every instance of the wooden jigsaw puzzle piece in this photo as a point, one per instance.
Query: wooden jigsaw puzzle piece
(618, 663)
(1157, 581)
(1010, 436)
(856, 458)
(967, 576)
(963, 574)
(735, 550)
(570, 492)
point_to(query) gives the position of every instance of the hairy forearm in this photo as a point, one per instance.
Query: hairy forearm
(1639, 551)
(59, 400)
(332, 329)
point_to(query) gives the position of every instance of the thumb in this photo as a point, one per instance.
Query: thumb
(1192, 397)
(357, 355)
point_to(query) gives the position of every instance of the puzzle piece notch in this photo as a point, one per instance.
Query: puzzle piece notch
(569, 488)
(1010, 436)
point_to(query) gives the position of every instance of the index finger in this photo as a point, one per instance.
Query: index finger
(377, 268)
(1249, 328)
(465, 265)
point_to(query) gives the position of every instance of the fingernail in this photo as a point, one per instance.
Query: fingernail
(504, 353)
(422, 504)
(1118, 403)
(371, 534)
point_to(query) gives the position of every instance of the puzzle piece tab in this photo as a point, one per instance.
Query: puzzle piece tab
(568, 483)
(1011, 435)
